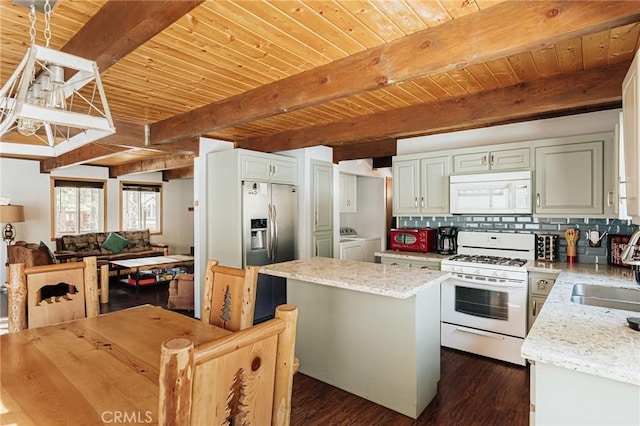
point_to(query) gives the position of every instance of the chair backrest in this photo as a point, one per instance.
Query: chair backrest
(30, 254)
(243, 378)
(50, 294)
(229, 296)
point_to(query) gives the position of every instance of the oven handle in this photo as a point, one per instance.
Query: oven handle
(479, 332)
(514, 284)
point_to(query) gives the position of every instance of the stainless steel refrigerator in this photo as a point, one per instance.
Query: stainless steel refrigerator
(269, 216)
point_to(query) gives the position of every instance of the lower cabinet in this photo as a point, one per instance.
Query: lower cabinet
(360, 250)
(540, 284)
(322, 244)
(562, 396)
(413, 263)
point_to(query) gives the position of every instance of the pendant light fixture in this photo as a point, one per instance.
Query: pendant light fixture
(55, 97)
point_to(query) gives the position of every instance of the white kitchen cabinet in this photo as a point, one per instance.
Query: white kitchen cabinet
(494, 160)
(268, 167)
(362, 250)
(631, 140)
(561, 396)
(421, 185)
(540, 284)
(322, 244)
(413, 263)
(570, 179)
(348, 193)
(322, 208)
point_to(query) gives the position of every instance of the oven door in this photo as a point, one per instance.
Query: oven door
(473, 301)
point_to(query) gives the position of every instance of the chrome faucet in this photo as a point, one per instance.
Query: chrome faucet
(627, 253)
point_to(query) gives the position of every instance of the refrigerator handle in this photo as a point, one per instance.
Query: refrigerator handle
(269, 227)
(274, 251)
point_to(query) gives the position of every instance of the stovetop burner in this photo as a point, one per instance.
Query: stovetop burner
(489, 260)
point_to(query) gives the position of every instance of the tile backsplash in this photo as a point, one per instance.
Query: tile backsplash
(535, 225)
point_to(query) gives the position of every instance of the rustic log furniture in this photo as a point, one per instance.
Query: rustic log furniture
(144, 264)
(92, 371)
(244, 378)
(181, 292)
(30, 307)
(229, 296)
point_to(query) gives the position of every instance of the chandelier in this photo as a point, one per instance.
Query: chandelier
(54, 96)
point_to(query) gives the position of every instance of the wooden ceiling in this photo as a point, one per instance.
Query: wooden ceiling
(356, 75)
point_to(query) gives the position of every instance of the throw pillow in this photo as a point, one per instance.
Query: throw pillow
(115, 243)
(51, 255)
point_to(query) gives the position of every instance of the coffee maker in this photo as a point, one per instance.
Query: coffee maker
(447, 239)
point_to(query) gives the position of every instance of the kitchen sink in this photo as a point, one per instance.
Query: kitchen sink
(606, 297)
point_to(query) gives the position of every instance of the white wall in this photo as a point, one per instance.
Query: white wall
(22, 183)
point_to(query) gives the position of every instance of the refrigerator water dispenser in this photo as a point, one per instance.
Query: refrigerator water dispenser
(258, 234)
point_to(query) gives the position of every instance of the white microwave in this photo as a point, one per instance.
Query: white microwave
(491, 193)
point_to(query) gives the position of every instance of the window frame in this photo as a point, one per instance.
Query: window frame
(53, 202)
(158, 185)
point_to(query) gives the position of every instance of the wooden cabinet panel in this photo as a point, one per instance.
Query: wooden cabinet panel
(406, 184)
(506, 159)
(631, 140)
(421, 186)
(267, 168)
(348, 193)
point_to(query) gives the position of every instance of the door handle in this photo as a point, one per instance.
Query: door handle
(269, 232)
(274, 250)
(492, 160)
(535, 308)
(609, 198)
(538, 199)
(415, 202)
(422, 202)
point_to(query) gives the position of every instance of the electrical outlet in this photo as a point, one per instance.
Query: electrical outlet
(594, 238)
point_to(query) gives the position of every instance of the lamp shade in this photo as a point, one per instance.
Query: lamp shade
(11, 213)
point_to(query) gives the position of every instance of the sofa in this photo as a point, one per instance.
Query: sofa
(31, 254)
(136, 244)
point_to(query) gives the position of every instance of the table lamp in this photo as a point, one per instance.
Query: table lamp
(10, 214)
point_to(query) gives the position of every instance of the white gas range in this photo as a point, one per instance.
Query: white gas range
(484, 303)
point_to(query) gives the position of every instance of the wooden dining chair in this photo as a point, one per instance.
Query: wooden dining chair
(245, 378)
(50, 294)
(229, 296)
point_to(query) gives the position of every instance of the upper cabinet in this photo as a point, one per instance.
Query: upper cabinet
(631, 140)
(268, 167)
(494, 160)
(574, 176)
(421, 185)
(348, 193)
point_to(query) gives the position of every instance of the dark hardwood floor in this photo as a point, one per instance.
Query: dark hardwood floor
(473, 390)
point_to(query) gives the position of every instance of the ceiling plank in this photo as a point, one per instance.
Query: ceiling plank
(504, 29)
(586, 89)
(184, 173)
(120, 27)
(167, 162)
(372, 149)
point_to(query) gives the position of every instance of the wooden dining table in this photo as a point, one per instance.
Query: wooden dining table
(101, 370)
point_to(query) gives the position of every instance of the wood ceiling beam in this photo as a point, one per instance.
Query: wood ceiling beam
(501, 30)
(599, 87)
(120, 27)
(365, 149)
(184, 173)
(86, 153)
(167, 162)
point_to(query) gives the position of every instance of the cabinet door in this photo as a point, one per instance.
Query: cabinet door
(435, 185)
(322, 244)
(569, 179)
(631, 141)
(510, 159)
(255, 167)
(322, 196)
(426, 264)
(352, 251)
(472, 162)
(406, 187)
(535, 304)
(284, 171)
(348, 193)
(395, 261)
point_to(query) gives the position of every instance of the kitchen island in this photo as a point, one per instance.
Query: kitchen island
(585, 359)
(370, 329)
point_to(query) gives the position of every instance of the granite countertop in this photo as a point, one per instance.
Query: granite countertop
(385, 280)
(410, 255)
(584, 338)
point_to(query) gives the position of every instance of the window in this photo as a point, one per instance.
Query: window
(141, 206)
(78, 206)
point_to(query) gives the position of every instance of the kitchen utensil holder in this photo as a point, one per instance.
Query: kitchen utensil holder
(547, 247)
